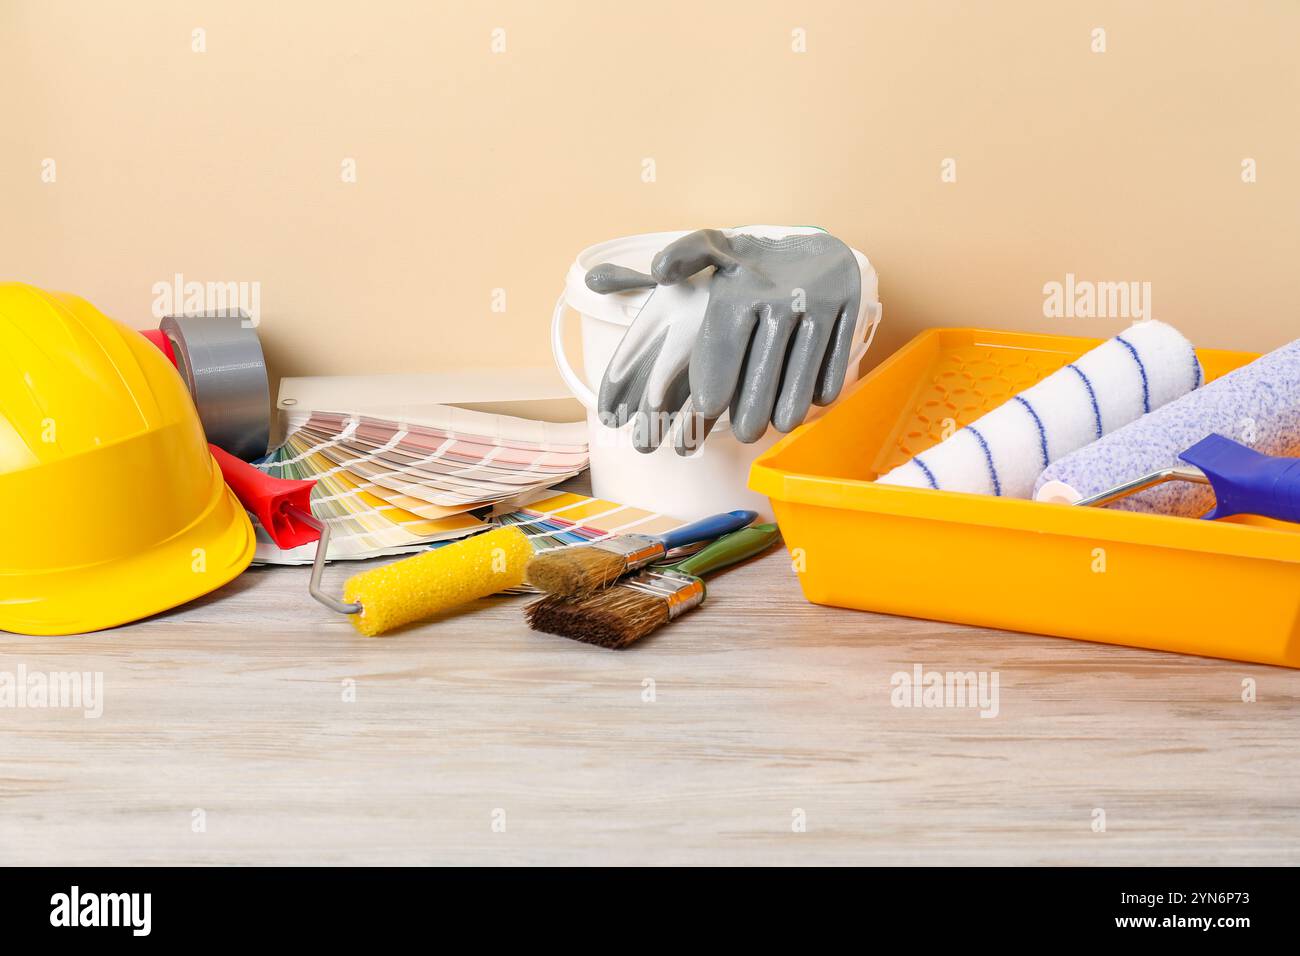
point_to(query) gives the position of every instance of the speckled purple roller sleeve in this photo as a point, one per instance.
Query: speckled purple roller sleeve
(1257, 405)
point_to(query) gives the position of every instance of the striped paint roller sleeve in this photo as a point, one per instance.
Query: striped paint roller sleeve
(1004, 452)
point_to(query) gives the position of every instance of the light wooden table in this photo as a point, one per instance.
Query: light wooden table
(765, 711)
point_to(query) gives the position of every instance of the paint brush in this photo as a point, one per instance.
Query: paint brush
(641, 603)
(578, 571)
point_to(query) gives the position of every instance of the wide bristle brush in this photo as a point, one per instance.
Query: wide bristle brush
(577, 571)
(642, 603)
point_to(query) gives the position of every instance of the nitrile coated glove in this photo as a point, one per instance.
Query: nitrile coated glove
(777, 333)
(647, 378)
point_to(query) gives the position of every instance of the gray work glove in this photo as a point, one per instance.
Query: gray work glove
(647, 380)
(778, 330)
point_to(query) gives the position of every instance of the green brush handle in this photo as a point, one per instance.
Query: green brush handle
(729, 550)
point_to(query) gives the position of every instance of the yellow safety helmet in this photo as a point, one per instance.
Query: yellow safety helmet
(111, 506)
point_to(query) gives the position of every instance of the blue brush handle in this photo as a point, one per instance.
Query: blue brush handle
(1247, 482)
(706, 529)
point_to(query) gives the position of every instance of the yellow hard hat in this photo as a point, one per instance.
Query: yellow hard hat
(111, 506)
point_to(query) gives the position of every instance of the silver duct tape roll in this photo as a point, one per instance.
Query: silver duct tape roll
(220, 358)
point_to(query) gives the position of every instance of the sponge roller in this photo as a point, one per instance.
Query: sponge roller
(435, 581)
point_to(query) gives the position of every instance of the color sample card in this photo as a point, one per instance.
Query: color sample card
(392, 487)
(565, 520)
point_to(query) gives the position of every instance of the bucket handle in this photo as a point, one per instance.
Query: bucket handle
(583, 393)
(576, 385)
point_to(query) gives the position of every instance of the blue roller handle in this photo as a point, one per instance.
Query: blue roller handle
(706, 529)
(1247, 482)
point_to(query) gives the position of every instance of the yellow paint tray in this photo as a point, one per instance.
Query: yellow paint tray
(1227, 588)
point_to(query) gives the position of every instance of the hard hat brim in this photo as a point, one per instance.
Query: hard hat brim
(212, 551)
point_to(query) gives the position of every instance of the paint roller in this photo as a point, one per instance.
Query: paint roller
(1004, 451)
(1132, 468)
(423, 586)
(1242, 481)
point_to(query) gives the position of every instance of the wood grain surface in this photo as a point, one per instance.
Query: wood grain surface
(472, 740)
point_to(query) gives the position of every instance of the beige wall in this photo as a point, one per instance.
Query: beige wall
(479, 170)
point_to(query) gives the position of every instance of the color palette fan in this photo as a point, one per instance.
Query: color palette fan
(390, 486)
(565, 519)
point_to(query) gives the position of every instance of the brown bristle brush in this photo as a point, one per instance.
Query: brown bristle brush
(628, 611)
(578, 571)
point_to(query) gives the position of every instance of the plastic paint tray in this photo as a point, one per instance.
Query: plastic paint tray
(1227, 588)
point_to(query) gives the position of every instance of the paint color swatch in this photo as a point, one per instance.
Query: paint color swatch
(387, 486)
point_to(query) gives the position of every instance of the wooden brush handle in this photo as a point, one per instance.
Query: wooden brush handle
(730, 549)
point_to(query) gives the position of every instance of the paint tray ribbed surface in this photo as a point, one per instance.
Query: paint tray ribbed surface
(1227, 588)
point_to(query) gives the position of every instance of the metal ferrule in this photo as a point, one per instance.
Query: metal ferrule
(680, 592)
(637, 550)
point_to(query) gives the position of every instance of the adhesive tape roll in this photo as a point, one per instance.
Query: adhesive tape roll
(220, 358)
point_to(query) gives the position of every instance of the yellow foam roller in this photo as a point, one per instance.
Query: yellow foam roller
(420, 587)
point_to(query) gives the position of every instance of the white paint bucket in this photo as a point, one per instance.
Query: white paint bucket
(715, 478)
